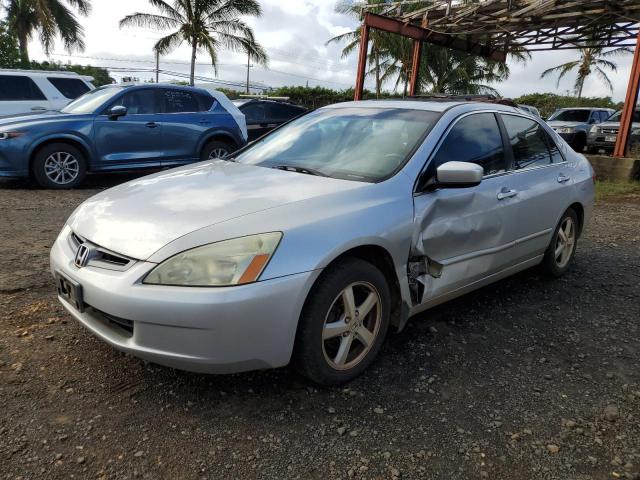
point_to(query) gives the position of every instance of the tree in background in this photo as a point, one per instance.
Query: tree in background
(205, 25)
(49, 19)
(377, 40)
(591, 60)
(9, 52)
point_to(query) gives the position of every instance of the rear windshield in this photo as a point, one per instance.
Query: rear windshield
(365, 144)
(571, 116)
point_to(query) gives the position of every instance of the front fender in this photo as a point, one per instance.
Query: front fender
(72, 137)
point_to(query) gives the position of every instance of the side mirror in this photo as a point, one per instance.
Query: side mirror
(117, 111)
(459, 175)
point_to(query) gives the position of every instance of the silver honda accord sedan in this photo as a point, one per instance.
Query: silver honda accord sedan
(308, 245)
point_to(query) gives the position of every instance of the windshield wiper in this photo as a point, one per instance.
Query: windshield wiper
(308, 171)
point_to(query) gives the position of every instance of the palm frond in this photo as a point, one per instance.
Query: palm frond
(149, 20)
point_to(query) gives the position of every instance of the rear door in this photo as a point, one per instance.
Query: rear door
(185, 119)
(134, 140)
(20, 94)
(467, 233)
(541, 177)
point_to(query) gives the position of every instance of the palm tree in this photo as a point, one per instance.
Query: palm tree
(205, 25)
(377, 40)
(49, 19)
(591, 59)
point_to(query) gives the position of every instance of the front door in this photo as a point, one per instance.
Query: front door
(134, 140)
(462, 235)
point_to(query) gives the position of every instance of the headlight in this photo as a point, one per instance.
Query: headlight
(594, 130)
(635, 131)
(565, 130)
(231, 262)
(8, 135)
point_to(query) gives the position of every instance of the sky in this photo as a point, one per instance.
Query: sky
(294, 34)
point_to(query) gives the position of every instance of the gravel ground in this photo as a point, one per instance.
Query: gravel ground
(525, 379)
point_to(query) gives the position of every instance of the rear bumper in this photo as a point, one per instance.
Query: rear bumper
(209, 330)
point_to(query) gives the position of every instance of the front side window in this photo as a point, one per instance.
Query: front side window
(353, 143)
(19, 87)
(139, 102)
(475, 139)
(529, 141)
(179, 101)
(71, 88)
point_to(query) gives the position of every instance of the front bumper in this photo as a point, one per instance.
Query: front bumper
(209, 330)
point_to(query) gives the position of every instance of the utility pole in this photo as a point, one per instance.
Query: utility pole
(157, 66)
(248, 67)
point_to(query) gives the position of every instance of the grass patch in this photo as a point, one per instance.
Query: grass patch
(606, 190)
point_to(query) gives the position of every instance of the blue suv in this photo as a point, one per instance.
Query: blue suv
(120, 128)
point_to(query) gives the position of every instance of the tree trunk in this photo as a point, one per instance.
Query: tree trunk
(378, 86)
(194, 48)
(23, 43)
(580, 89)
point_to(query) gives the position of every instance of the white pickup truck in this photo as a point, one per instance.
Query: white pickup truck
(27, 91)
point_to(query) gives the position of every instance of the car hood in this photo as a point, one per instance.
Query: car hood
(561, 124)
(24, 120)
(139, 217)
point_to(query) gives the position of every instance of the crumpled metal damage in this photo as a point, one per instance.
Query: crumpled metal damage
(456, 239)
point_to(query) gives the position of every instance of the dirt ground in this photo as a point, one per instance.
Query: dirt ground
(526, 379)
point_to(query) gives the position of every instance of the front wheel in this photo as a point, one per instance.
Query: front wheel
(561, 251)
(343, 324)
(59, 165)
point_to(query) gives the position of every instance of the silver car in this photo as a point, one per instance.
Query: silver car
(309, 244)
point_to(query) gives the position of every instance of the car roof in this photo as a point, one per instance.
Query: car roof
(45, 73)
(245, 101)
(139, 86)
(432, 105)
(584, 108)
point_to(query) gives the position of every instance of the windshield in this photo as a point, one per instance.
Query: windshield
(571, 116)
(90, 101)
(365, 144)
(616, 117)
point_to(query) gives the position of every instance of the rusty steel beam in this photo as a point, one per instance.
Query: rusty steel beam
(425, 35)
(629, 105)
(415, 67)
(362, 61)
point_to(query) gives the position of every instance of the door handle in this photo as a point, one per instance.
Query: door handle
(38, 109)
(563, 179)
(506, 193)
(203, 121)
(151, 125)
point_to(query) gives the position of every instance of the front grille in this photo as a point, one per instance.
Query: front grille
(101, 257)
(610, 131)
(123, 325)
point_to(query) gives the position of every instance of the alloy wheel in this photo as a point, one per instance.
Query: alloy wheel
(565, 242)
(218, 153)
(61, 168)
(351, 325)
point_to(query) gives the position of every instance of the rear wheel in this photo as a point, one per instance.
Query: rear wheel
(343, 324)
(561, 251)
(216, 149)
(59, 165)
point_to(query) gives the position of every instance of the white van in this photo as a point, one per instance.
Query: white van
(28, 91)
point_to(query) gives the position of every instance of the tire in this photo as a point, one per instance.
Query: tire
(593, 150)
(59, 166)
(214, 149)
(323, 360)
(579, 143)
(556, 262)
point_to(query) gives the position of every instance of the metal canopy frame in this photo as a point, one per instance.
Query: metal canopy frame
(493, 28)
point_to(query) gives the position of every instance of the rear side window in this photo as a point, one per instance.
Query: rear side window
(476, 139)
(204, 101)
(532, 146)
(18, 87)
(254, 113)
(180, 101)
(71, 88)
